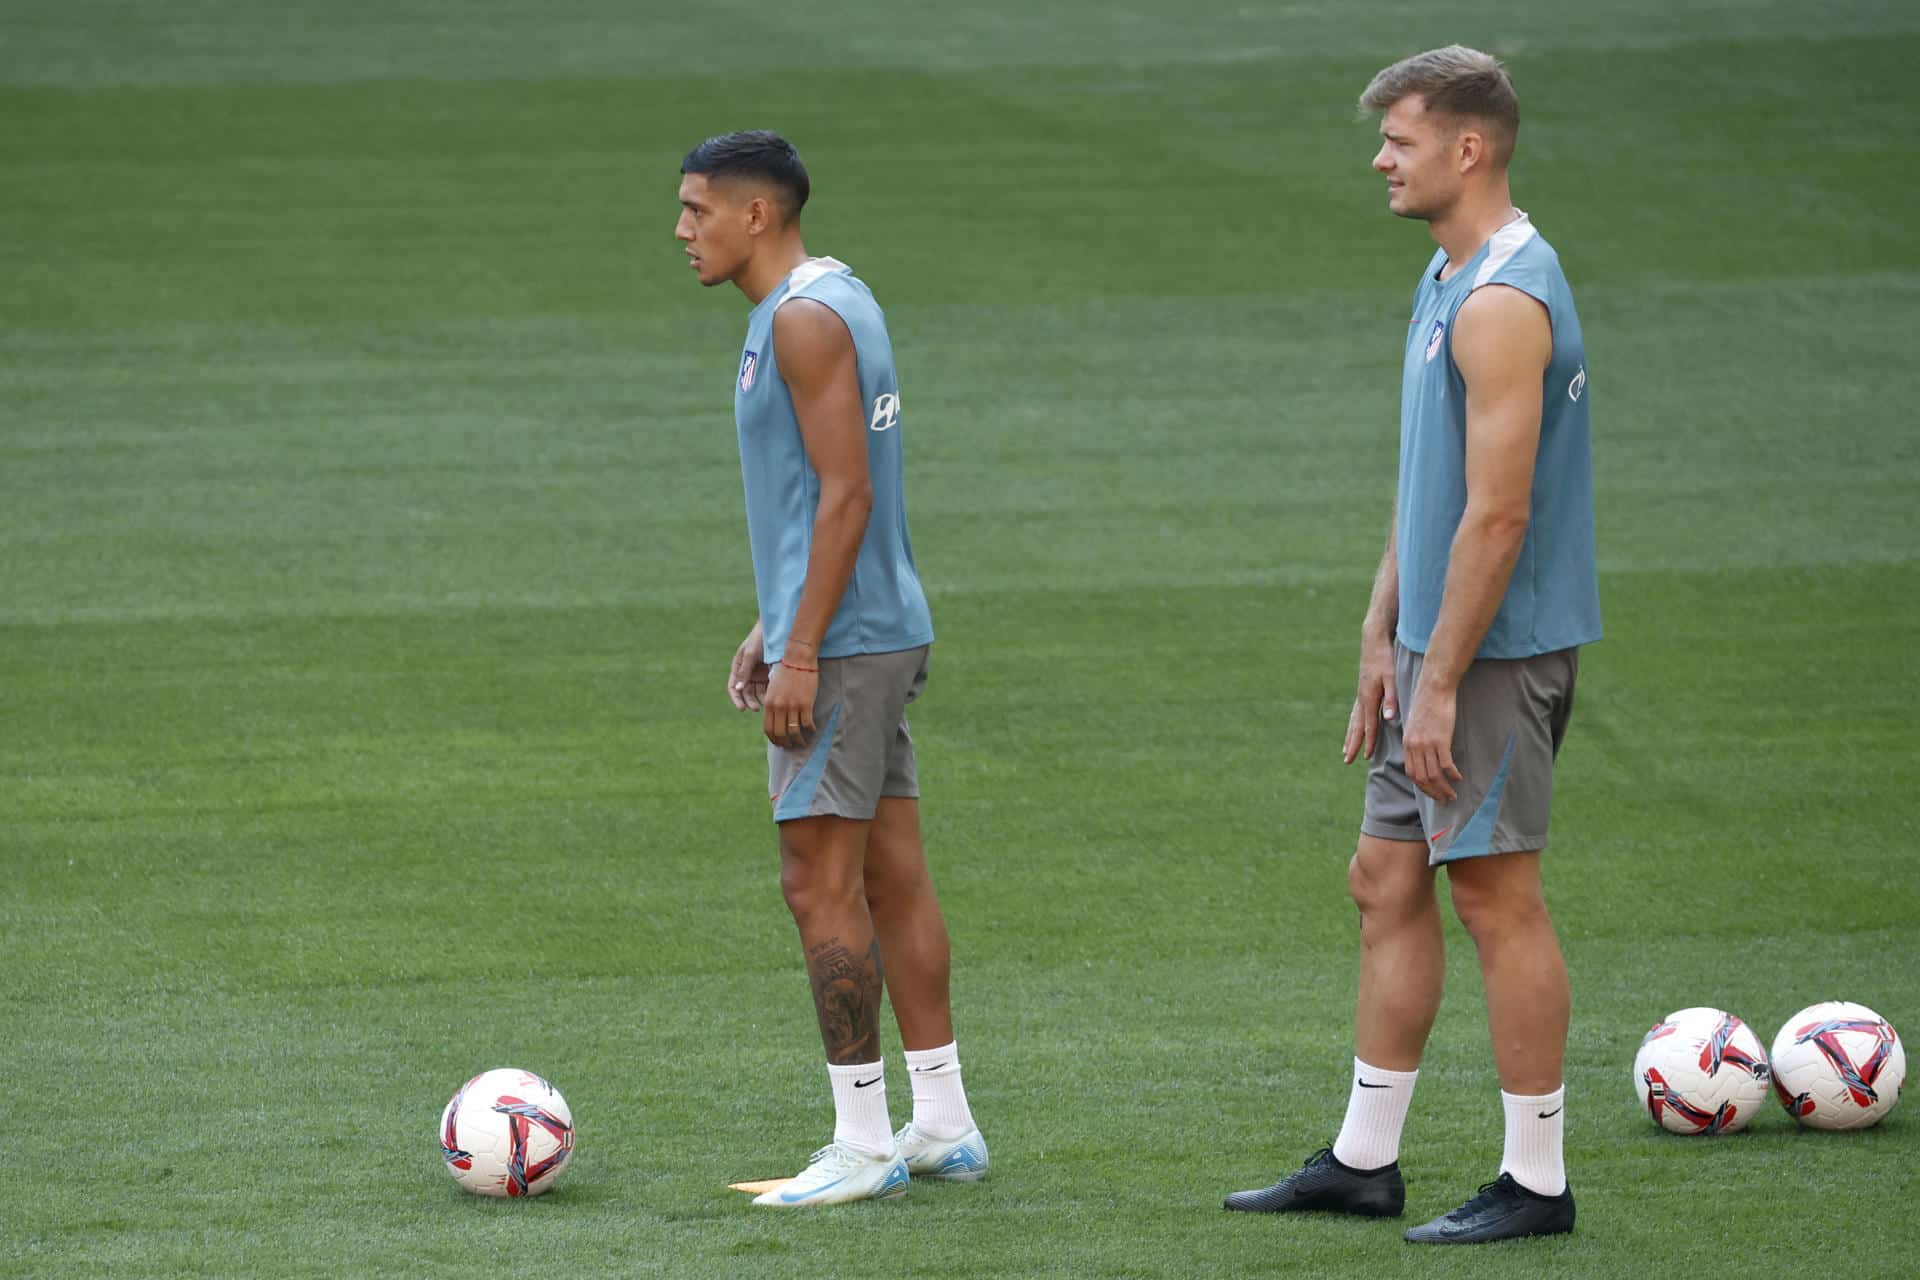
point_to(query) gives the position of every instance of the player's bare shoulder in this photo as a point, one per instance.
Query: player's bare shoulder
(1502, 331)
(809, 337)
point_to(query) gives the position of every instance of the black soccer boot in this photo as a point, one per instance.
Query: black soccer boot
(1326, 1185)
(1503, 1210)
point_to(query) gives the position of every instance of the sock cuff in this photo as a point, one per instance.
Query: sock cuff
(1377, 1108)
(1533, 1100)
(928, 1061)
(844, 1070)
(1382, 1075)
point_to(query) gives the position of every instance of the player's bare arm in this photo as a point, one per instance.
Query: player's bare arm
(816, 357)
(1502, 342)
(1376, 697)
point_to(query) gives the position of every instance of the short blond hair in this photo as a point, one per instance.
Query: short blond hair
(1457, 81)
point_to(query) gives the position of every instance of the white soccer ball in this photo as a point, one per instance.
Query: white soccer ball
(1838, 1066)
(1701, 1071)
(506, 1132)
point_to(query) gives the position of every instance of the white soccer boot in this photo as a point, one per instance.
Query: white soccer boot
(961, 1159)
(836, 1174)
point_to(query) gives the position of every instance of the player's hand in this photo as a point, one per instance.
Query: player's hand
(1375, 699)
(1428, 742)
(748, 675)
(788, 718)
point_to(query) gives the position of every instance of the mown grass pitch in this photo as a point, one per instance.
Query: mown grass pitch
(371, 547)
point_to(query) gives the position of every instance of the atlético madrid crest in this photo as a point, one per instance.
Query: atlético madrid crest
(1433, 340)
(751, 362)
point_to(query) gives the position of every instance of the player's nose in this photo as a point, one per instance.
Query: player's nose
(1380, 161)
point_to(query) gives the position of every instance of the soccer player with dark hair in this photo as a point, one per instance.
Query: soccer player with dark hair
(1486, 591)
(838, 651)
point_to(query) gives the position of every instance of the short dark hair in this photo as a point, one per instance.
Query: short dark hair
(1455, 81)
(753, 153)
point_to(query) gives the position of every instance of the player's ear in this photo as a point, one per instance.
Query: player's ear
(759, 215)
(1472, 146)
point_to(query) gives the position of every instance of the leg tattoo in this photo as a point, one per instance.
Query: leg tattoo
(846, 996)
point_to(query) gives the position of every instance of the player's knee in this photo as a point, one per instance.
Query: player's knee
(886, 885)
(1488, 908)
(812, 887)
(1360, 884)
(891, 878)
(1476, 911)
(1381, 895)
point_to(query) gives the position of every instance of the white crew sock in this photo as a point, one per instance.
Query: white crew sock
(860, 1107)
(939, 1100)
(1535, 1154)
(1376, 1110)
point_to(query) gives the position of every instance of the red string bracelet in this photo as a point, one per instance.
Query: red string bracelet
(812, 671)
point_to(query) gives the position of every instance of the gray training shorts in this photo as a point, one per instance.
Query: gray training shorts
(1510, 718)
(861, 749)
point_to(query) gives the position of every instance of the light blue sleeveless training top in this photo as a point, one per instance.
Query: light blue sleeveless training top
(884, 608)
(1553, 599)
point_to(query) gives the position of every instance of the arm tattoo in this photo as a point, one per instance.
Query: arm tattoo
(846, 996)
